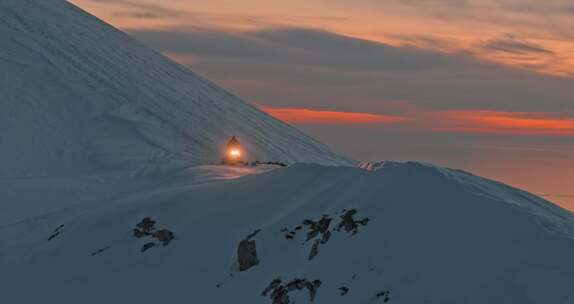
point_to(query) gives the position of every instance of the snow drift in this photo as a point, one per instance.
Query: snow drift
(80, 96)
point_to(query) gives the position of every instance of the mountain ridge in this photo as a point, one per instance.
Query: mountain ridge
(88, 97)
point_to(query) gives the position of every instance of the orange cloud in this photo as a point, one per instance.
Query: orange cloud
(519, 123)
(308, 116)
(459, 121)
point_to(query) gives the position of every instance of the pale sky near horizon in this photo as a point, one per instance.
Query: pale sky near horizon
(481, 85)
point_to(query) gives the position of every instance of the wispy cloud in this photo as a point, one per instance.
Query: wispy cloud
(454, 26)
(332, 69)
(497, 122)
(512, 44)
(141, 10)
(297, 46)
(323, 117)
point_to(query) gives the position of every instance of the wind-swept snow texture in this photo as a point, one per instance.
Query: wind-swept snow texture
(77, 95)
(433, 235)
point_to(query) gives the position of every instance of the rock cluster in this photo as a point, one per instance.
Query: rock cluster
(290, 234)
(257, 163)
(318, 232)
(383, 296)
(349, 223)
(318, 227)
(147, 228)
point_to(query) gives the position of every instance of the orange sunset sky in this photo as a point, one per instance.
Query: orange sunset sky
(482, 85)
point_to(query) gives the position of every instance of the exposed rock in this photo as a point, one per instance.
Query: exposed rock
(314, 250)
(100, 250)
(257, 163)
(289, 234)
(321, 226)
(146, 228)
(138, 233)
(280, 294)
(274, 284)
(247, 252)
(326, 237)
(343, 290)
(164, 236)
(59, 230)
(312, 287)
(383, 296)
(349, 223)
(147, 246)
(55, 234)
(316, 228)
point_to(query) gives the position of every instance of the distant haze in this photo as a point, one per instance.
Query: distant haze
(481, 85)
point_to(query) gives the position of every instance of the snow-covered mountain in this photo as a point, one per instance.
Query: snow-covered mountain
(109, 194)
(80, 96)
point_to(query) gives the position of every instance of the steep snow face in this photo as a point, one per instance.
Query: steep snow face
(80, 96)
(433, 235)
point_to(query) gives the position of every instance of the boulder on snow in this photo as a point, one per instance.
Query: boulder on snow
(247, 252)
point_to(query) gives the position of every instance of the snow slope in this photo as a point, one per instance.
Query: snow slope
(434, 235)
(78, 96)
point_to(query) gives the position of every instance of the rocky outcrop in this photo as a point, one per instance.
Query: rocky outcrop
(247, 252)
(319, 227)
(349, 223)
(318, 232)
(146, 228)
